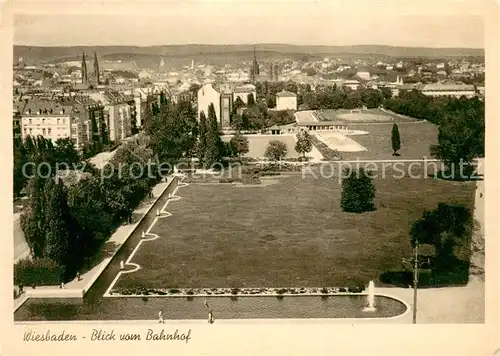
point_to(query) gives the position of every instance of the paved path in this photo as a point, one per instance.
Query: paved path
(21, 249)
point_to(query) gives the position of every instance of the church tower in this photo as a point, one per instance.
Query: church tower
(254, 71)
(84, 69)
(96, 70)
(276, 72)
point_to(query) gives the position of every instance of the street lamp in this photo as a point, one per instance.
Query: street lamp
(415, 265)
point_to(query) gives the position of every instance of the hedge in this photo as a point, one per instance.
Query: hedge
(38, 272)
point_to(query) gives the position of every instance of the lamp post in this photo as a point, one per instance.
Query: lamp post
(415, 264)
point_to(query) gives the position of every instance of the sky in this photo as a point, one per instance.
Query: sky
(415, 23)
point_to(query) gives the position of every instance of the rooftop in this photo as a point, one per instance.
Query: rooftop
(448, 87)
(285, 93)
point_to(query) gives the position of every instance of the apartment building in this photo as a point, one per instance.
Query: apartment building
(55, 119)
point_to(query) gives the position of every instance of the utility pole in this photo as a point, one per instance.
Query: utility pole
(415, 283)
(415, 265)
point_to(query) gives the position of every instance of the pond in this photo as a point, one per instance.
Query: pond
(255, 307)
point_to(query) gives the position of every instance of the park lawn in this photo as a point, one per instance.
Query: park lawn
(257, 145)
(416, 139)
(365, 115)
(289, 234)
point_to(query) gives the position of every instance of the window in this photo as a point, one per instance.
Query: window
(43, 132)
(30, 121)
(43, 121)
(58, 121)
(50, 131)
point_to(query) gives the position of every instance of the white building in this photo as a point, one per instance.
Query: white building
(286, 100)
(54, 120)
(351, 84)
(455, 90)
(243, 92)
(208, 95)
(363, 74)
(118, 112)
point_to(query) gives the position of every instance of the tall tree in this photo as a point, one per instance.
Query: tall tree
(250, 100)
(202, 141)
(33, 217)
(276, 150)
(66, 152)
(395, 140)
(171, 134)
(304, 143)
(461, 137)
(239, 144)
(20, 159)
(358, 191)
(61, 234)
(449, 229)
(214, 142)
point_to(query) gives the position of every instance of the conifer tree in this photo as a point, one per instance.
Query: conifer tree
(214, 142)
(358, 191)
(202, 142)
(61, 233)
(395, 140)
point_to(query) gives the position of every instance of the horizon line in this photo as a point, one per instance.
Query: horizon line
(244, 44)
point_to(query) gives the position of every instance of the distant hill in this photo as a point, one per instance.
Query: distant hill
(209, 53)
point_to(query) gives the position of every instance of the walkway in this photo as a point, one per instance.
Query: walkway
(21, 248)
(77, 288)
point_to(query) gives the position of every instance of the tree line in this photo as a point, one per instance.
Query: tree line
(69, 216)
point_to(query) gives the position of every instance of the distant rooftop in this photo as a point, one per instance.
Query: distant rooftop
(285, 93)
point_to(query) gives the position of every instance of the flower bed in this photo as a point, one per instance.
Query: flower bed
(234, 292)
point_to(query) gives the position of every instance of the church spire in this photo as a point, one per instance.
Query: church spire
(96, 69)
(84, 69)
(254, 71)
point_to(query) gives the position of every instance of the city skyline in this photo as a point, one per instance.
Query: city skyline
(298, 24)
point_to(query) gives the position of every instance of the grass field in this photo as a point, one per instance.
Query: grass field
(366, 115)
(292, 233)
(257, 145)
(416, 139)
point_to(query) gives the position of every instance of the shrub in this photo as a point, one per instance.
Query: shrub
(324, 290)
(342, 290)
(174, 291)
(282, 291)
(234, 291)
(356, 289)
(38, 272)
(226, 180)
(189, 292)
(358, 191)
(263, 174)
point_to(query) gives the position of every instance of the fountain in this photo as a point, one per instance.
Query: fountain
(371, 297)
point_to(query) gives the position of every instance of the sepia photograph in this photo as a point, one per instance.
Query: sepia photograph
(260, 163)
